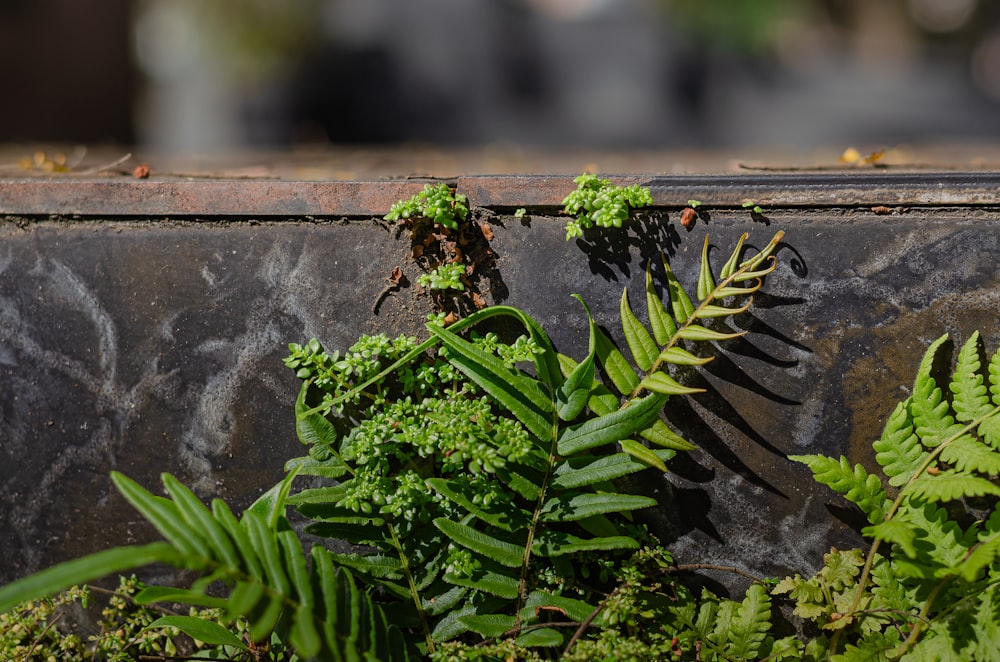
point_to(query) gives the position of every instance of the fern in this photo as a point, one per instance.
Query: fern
(315, 607)
(939, 581)
(551, 498)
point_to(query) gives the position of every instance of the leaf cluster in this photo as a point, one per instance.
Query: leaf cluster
(444, 277)
(438, 204)
(933, 593)
(598, 202)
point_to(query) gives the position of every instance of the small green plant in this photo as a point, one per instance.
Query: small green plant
(753, 207)
(520, 212)
(599, 202)
(444, 277)
(935, 592)
(439, 204)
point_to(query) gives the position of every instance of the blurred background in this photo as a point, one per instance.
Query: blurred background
(199, 75)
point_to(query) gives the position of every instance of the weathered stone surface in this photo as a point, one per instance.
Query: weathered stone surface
(150, 347)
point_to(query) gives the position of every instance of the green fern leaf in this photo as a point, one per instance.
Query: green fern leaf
(660, 321)
(970, 399)
(982, 556)
(708, 311)
(889, 593)
(661, 435)
(643, 454)
(265, 546)
(621, 374)
(504, 516)
(487, 581)
(553, 543)
(706, 282)
(202, 630)
(950, 485)
(898, 451)
(574, 393)
(700, 333)
(198, 517)
(841, 568)
(733, 263)
(582, 471)
(986, 628)
(501, 551)
(661, 382)
(989, 430)
(751, 623)
(640, 343)
(488, 625)
(541, 638)
(680, 303)
(857, 485)
(933, 422)
(894, 531)
(730, 291)
(941, 547)
(520, 394)
(164, 515)
(967, 454)
(612, 427)
(573, 507)
(679, 356)
(994, 376)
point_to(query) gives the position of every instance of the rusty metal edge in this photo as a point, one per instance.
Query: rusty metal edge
(110, 197)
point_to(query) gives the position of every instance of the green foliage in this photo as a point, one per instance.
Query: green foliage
(439, 204)
(45, 629)
(933, 595)
(444, 277)
(483, 489)
(599, 202)
(316, 609)
(477, 475)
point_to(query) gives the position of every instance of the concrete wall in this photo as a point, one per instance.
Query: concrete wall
(144, 346)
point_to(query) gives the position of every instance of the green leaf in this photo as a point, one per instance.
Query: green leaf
(733, 263)
(573, 507)
(700, 333)
(898, 451)
(582, 471)
(970, 399)
(621, 374)
(748, 630)
(928, 408)
(661, 435)
(503, 516)
(164, 515)
(640, 343)
(85, 569)
(574, 393)
(500, 551)
(611, 427)
(661, 382)
(264, 541)
(857, 485)
(520, 394)
(643, 454)
(488, 625)
(542, 637)
(312, 428)
(982, 556)
(679, 356)
(660, 321)
(487, 581)
(153, 594)
(200, 629)
(968, 454)
(710, 310)
(896, 532)
(951, 485)
(553, 543)
(706, 282)
(576, 610)
(679, 301)
(200, 519)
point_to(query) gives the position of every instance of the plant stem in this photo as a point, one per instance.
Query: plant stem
(414, 591)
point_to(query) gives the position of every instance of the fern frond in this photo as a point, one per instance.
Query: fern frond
(706, 282)
(611, 427)
(680, 302)
(550, 543)
(970, 399)
(898, 450)
(570, 507)
(640, 343)
(950, 485)
(661, 323)
(967, 454)
(941, 545)
(578, 472)
(503, 552)
(855, 483)
(751, 624)
(930, 412)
